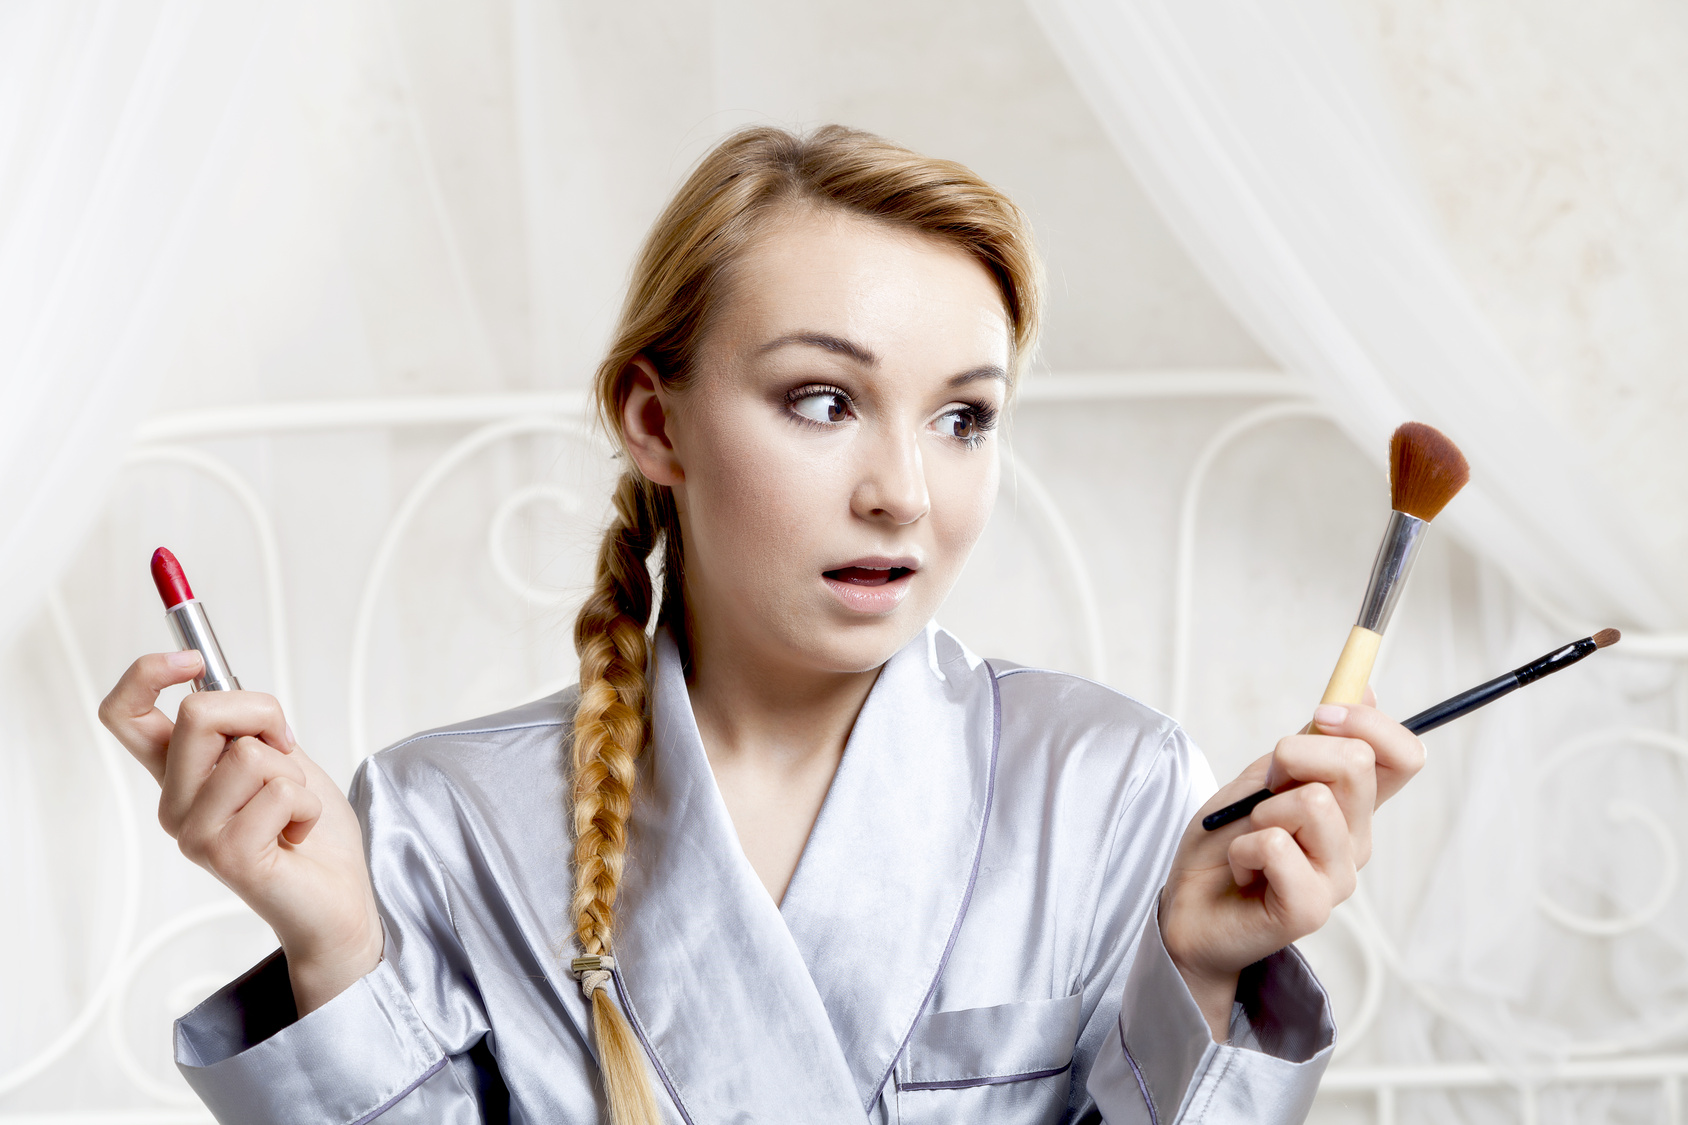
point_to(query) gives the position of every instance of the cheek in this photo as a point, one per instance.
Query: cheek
(757, 496)
(963, 492)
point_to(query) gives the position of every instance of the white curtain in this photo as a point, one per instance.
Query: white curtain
(120, 124)
(1524, 896)
(1253, 128)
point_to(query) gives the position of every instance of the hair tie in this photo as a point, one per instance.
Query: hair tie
(593, 972)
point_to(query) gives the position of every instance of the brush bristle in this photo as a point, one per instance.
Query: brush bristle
(1426, 470)
(1606, 638)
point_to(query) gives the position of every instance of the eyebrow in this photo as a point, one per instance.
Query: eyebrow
(840, 346)
(989, 371)
(827, 342)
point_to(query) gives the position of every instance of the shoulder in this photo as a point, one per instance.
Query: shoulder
(484, 757)
(1087, 737)
(1068, 706)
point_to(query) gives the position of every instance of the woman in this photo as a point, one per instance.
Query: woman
(827, 865)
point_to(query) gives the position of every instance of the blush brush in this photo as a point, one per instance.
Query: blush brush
(1426, 470)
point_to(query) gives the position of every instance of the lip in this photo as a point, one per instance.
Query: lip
(872, 598)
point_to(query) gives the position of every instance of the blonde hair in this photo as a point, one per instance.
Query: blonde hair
(677, 283)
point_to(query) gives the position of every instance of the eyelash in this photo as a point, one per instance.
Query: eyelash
(982, 414)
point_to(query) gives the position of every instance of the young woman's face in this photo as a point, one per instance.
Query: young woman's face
(835, 454)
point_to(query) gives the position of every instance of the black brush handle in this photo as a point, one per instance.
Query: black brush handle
(1443, 713)
(1464, 703)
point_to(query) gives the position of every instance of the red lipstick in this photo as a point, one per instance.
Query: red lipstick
(189, 623)
(171, 581)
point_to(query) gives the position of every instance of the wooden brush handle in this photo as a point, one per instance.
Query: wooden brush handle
(1353, 667)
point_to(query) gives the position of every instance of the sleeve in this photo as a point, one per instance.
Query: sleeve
(1162, 1064)
(1158, 1064)
(405, 1043)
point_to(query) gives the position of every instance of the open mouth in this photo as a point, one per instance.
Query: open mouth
(868, 576)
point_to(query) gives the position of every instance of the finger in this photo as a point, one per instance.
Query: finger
(1313, 818)
(1369, 697)
(205, 724)
(1296, 897)
(243, 769)
(251, 834)
(130, 711)
(1251, 780)
(1398, 751)
(1347, 766)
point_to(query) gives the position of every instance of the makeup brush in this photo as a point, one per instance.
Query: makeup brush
(1484, 694)
(1426, 470)
(1455, 707)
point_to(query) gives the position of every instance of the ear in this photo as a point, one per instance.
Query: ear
(645, 417)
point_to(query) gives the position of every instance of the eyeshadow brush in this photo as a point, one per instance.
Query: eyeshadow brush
(1455, 707)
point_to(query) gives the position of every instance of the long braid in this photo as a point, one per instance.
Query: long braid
(610, 732)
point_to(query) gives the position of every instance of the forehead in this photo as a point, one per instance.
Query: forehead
(907, 296)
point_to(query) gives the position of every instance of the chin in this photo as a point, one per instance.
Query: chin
(864, 644)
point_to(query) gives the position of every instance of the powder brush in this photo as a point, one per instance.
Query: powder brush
(1426, 470)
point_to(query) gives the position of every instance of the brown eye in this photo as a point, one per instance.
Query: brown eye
(960, 424)
(823, 406)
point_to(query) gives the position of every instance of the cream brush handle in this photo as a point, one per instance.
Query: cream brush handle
(1353, 667)
(1353, 671)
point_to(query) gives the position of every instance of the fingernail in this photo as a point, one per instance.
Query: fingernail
(292, 742)
(186, 658)
(1330, 715)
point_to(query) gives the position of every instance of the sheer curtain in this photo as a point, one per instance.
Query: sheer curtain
(1255, 129)
(120, 126)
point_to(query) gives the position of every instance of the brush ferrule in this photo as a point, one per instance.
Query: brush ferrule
(1555, 660)
(1401, 541)
(192, 629)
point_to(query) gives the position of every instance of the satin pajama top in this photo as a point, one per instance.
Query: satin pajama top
(970, 934)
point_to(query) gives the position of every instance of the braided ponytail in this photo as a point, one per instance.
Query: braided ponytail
(610, 731)
(681, 275)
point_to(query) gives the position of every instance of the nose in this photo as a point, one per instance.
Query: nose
(892, 486)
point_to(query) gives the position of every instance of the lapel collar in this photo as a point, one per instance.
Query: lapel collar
(878, 897)
(707, 971)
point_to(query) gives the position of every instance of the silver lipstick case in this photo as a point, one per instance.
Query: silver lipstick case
(192, 629)
(1395, 556)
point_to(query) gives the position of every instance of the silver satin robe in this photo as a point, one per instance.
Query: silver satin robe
(970, 935)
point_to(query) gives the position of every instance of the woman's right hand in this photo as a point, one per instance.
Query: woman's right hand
(244, 802)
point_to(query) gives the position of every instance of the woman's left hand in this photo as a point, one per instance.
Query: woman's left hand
(1243, 892)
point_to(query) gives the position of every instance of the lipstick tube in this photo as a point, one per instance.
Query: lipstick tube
(191, 626)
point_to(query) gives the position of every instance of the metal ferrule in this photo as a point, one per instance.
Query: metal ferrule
(192, 629)
(1395, 556)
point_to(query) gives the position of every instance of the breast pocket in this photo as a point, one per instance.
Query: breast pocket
(1009, 1064)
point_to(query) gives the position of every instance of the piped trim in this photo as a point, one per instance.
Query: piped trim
(394, 1100)
(1154, 1118)
(966, 898)
(993, 1080)
(650, 1051)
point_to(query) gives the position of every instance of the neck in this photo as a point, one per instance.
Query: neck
(752, 708)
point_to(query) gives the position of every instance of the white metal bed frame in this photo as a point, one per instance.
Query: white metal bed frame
(171, 440)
